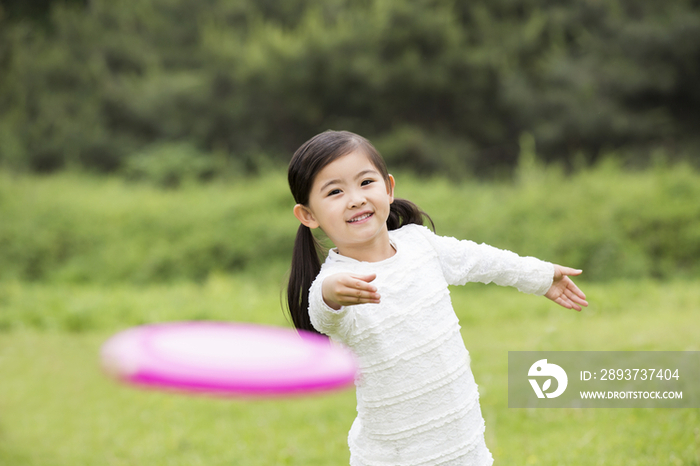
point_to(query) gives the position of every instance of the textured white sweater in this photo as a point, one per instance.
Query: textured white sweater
(417, 401)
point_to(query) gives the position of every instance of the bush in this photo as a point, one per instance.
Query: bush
(169, 165)
(78, 228)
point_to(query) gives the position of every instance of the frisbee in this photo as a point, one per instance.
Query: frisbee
(227, 359)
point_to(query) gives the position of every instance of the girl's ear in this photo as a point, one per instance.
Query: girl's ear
(305, 216)
(390, 188)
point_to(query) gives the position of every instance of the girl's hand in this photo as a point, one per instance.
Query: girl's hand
(345, 289)
(563, 291)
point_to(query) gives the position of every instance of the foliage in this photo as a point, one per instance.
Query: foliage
(84, 229)
(441, 86)
(169, 165)
(608, 222)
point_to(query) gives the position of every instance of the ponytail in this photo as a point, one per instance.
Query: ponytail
(305, 266)
(403, 212)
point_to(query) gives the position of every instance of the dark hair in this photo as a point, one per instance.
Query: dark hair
(307, 161)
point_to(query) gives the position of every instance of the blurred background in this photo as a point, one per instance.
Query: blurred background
(143, 149)
(440, 86)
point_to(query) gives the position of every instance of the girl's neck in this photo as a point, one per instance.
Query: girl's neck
(378, 250)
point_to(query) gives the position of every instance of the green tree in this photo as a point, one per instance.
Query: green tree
(439, 85)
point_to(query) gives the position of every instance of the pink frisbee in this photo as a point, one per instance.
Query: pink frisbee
(227, 359)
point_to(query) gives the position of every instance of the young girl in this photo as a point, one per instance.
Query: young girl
(383, 292)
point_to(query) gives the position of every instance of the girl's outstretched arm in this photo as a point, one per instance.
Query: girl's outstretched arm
(345, 289)
(564, 291)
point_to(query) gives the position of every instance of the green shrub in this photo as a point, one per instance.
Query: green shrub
(610, 222)
(87, 229)
(170, 164)
(78, 228)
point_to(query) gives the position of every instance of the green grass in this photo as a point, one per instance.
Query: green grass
(57, 408)
(87, 307)
(82, 257)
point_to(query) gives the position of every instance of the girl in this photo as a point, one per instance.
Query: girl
(382, 291)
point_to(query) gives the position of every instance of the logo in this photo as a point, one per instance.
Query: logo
(541, 369)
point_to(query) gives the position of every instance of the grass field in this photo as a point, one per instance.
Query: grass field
(83, 256)
(57, 408)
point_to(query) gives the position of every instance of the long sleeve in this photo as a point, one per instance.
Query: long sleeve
(464, 261)
(324, 318)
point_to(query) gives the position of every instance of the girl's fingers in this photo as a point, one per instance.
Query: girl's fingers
(577, 298)
(574, 294)
(571, 286)
(367, 278)
(570, 271)
(568, 303)
(363, 296)
(347, 289)
(360, 283)
(357, 296)
(577, 303)
(560, 270)
(350, 301)
(563, 302)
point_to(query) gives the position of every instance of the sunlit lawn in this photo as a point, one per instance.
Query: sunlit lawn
(57, 408)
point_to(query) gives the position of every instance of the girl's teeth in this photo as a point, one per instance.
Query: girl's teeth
(360, 218)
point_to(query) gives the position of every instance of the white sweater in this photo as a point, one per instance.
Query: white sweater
(417, 401)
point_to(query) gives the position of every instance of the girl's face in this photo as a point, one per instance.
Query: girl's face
(349, 201)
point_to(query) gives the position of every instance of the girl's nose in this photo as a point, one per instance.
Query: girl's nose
(357, 200)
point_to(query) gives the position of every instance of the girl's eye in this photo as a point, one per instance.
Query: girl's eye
(334, 192)
(366, 182)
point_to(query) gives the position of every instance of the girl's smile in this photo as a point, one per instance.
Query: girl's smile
(349, 201)
(360, 218)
